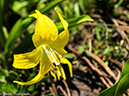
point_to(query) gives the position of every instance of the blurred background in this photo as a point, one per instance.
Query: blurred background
(97, 49)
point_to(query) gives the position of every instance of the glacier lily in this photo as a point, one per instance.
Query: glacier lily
(49, 50)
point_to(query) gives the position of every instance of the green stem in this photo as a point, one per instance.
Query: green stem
(53, 85)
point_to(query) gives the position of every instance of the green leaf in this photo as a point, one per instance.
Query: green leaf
(13, 74)
(1, 9)
(81, 49)
(21, 25)
(4, 72)
(78, 20)
(6, 81)
(31, 87)
(11, 87)
(98, 30)
(109, 92)
(15, 33)
(34, 93)
(108, 50)
(45, 78)
(3, 88)
(2, 37)
(118, 4)
(20, 7)
(50, 6)
(24, 45)
(121, 86)
(125, 69)
(81, 3)
(2, 59)
(5, 31)
(2, 78)
(75, 21)
(50, 94)
(70, 8)
(76, 9)
(69, 55)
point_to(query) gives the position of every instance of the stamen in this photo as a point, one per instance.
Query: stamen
(58, 55)
(53, 56)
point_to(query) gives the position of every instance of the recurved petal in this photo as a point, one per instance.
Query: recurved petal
(27, 60)
(34, 80)
(65, 61)
(63, 21)
(59, 44)
(62, 39)
(45, 66)
(59, 51)
(33, 15)
(45, 30)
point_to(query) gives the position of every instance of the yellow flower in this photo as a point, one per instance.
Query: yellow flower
(49, 45)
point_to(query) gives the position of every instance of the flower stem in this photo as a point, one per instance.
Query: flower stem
(53, 85)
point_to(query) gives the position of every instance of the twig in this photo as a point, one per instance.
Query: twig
(118, 76)
(50, 88)
(92, 67)
(102, 63)
(97, 70)
(53, 85)
(121, 32)
(67, 88)
(109, 81)
(90, 45)
(116, 62)
(63, 92)
(122, 23)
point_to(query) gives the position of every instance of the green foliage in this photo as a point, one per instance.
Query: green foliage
(118, 4)
(81, 49)
(98, 30)
(50, 94)
(2, 36)
(121, 86)
(69, 56)
(73, 22)
(6, 79)
(108, 50)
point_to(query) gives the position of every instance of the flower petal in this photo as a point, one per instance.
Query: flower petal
(60, 42)
(45, 30)
(34, 80)
(63, 21)
(62, 72)
(62, 39)
(45, 66)
(65, 61)
(27, 60)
